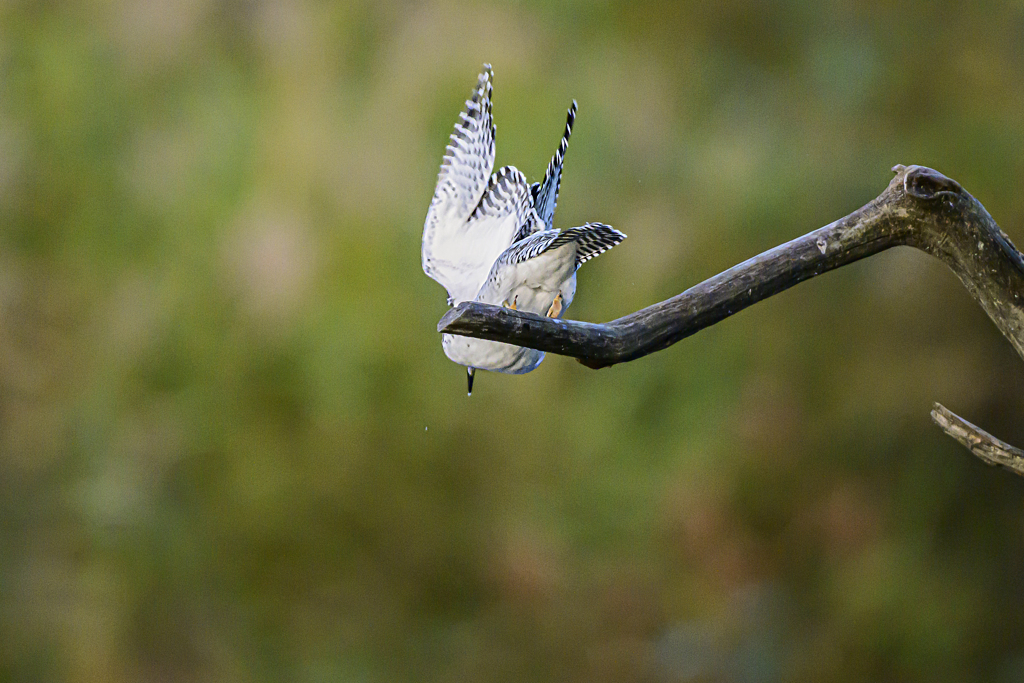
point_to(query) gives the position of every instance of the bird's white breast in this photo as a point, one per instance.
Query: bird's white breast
(532, 285)
(490, 355)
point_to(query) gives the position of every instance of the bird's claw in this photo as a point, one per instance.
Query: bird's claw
(556, 306)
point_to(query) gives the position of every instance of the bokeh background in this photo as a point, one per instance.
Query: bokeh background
(231, 448)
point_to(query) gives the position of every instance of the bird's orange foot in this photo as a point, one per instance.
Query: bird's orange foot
(512, 305)
(556, 306)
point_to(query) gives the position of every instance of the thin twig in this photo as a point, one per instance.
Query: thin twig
(978, 441)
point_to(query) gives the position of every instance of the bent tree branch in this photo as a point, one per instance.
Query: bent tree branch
(920, 208)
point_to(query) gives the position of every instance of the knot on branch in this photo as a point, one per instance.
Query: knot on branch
(927, 184)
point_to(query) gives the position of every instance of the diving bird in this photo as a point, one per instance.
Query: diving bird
(476, 218)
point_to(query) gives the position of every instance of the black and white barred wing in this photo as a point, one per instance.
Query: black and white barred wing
(461, 256)
(545, 194)
(469, 157)
(589, 240)
(461, 184)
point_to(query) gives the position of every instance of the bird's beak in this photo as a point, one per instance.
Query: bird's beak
(469, 374)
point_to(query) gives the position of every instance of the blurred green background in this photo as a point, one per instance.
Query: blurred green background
(231, 448)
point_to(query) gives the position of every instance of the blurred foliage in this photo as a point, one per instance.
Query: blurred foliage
(232, 449)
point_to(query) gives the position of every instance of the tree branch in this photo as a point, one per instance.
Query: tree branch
(920, 208)
(978, 441)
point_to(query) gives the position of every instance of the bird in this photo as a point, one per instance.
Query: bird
(490, 237)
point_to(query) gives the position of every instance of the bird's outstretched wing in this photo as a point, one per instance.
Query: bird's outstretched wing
(590, 239)
(461, 255)
(545, 194)
(474, 215)
(469, 157)
(464, 179)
